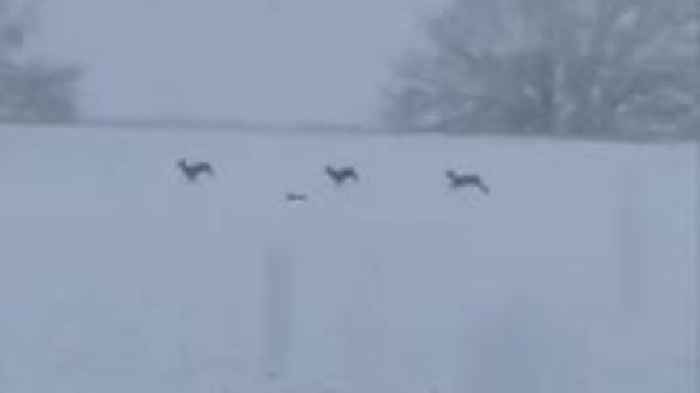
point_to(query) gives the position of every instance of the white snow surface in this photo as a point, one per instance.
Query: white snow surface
(576, 274)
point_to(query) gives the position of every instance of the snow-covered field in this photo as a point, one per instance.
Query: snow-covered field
(575, 275)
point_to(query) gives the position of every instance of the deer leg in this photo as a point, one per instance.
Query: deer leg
(483, 188)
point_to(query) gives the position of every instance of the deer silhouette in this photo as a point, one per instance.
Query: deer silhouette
(193, 170)
(466, 180)
(341, 175)
(294, 197)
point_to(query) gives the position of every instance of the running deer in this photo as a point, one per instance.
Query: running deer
(193, 170)
(294, 197)
(341, 175)
(466, 180)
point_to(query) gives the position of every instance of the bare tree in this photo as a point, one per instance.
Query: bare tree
(31, 90)
(550, 66)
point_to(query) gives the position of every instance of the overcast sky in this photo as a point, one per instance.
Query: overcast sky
(270, 60)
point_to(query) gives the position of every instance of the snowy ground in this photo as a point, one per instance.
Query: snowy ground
(575, 275)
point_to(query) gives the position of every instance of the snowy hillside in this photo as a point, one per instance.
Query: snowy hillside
(574, 275)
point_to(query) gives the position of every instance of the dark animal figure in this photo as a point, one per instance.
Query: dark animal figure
(293, 197)
(341, 175)
(466, 180)
(193, 170)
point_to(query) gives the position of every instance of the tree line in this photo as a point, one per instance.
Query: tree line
(553, 67)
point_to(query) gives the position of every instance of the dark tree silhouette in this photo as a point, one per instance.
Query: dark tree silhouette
(550, 66)
(31, 90)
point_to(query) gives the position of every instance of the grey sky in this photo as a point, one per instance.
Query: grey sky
(274, 60)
